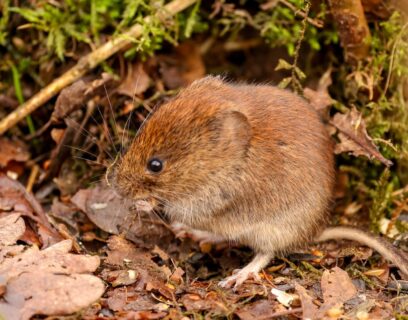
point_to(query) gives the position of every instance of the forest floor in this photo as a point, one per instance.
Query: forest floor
(70, 248)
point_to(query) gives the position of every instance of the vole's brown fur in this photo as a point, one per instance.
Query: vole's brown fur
(250, 163)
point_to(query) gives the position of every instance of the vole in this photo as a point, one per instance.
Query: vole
(252, 164)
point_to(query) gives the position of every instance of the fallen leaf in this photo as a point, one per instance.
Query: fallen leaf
(48, 282)
(136, 82)
(354, 138)
(361, 310)
(181, 67)
(261, 309)
(211, 301)
(103, 207)
(34, 293)
(375, 272)
(337, 288)
(14, 197)
(77, 94)
(177, 275)
(10, 251)
(320, 98)
(12, 227)
(159, 252)
(124, 255)
(54, 259)
(145, 315)
(309, 308)
(12, 150)
(114, 214)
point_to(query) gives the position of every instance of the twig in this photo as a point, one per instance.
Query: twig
(87, 63)
(35, 169)
(297, 86)
(304, 14)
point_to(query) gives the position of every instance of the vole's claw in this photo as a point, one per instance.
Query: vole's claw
(183, 231)
(238, 277)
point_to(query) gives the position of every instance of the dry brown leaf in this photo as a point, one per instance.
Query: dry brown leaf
(103, 207)
(34, 293)
(12, 150)
(177, 275)
(320, 98)
(14, 197)
(309, 308)
(354, 138)
(211, 301)
(145, 315)
(182, 67)
(55, 259)
(159, 252)
(126, 256)
(113, 214)
(12, 227)
(262, 309)
(48, 282)
(337, 288)
(136, 82)
(77, 94)
(127, 299)
(10, 251)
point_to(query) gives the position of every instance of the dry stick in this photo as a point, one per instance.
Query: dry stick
(353, 28)
(87, 63)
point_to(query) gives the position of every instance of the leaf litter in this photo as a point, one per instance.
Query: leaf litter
(354, 138)
(50, 281)
(156, 275)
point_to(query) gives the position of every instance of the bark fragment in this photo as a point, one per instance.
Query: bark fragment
(353, 29)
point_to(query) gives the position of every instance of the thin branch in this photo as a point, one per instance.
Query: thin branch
(304, 14)
(87, 63)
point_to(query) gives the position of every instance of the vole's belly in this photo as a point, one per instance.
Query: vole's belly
(272, 235)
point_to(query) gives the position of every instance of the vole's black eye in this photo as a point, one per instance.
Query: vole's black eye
(155, 165)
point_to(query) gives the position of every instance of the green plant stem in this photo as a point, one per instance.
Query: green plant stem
(19, 95)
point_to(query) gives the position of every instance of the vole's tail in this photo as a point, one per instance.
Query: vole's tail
(386, 249)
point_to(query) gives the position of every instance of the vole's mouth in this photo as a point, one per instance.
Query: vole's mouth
(146, 205)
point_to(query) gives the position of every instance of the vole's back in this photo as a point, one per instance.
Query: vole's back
(288, 176)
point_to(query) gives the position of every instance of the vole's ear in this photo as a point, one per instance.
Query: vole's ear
(234, 130)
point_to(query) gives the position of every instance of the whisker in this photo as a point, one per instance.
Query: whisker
(101, 147)
(87, 134)
(125, 130)
(106, 129)
(131, 113)
(113, 114)
(81, 150)
(89, 160)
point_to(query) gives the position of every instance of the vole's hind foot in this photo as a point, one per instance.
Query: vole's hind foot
(238, 278)
(183, 231)
(251, 270)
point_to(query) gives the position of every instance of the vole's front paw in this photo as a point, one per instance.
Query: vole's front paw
(238, 278)
(200, 236)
